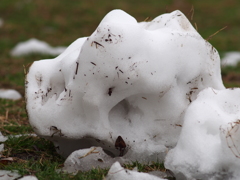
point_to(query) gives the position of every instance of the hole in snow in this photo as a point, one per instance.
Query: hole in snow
(124, 116)
(120, 145)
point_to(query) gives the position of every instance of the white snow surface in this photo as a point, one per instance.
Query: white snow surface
(209, 145)
(10, 94)
(29, 178)
(125, 88)
(117, 172)
(36, 46)
(86, 159)
(231, 58)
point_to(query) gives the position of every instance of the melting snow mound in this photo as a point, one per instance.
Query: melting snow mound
(209, 146)
(124, 89)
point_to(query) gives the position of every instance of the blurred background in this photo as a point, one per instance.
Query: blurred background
(59, 23)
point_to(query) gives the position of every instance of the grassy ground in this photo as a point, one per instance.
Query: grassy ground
(61, 22)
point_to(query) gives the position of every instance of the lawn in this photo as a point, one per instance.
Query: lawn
(59, 23)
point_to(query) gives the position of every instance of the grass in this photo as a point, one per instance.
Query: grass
(61, 22)
(37, 156)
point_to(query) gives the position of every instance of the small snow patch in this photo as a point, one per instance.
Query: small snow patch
(231, 58)
(10, 94)
(36, 46)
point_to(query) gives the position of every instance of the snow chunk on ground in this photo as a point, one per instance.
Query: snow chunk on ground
(209, 145)
(117, 172)
(231, 59)
(35, 46)
(86, 159)
(10, 94)
(125, 88)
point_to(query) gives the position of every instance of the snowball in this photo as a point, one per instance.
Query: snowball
(117, 172)
(209, 145)
(10, 94)
(230, 59)
(35, 46)
(125, 88)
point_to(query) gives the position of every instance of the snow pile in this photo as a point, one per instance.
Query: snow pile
(10, 94)
(231, 59)
(209, 145)
(124, 89)
(35, 46)
(117, 172)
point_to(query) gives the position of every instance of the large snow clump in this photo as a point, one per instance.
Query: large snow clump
(209, 145)
(125, 88)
